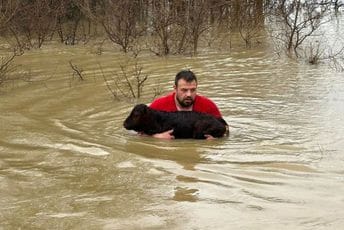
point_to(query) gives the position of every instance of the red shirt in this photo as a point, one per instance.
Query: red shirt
(201, 104)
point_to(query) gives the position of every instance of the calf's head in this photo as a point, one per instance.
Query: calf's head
(138, 118)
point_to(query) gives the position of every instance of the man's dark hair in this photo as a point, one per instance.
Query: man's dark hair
(186, 75)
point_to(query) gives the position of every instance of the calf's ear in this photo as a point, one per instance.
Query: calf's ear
(141, 108)
(144, 108)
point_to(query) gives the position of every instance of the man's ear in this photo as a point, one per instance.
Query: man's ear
(174, 87)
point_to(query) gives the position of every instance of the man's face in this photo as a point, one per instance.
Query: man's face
(185, 92)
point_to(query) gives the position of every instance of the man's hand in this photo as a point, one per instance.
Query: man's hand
(209, 137)
(165, 135)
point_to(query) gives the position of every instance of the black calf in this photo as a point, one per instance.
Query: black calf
(185, 124)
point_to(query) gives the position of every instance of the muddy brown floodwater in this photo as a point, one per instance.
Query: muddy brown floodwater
(66, 162)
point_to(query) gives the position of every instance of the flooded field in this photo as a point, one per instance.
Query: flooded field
(66, 162)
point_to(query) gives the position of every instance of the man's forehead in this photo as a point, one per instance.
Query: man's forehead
(185, 84)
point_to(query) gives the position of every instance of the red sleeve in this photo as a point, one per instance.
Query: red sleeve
(165, 103)
(214, 110)
(205, 105)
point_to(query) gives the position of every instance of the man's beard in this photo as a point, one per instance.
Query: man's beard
(186, 102)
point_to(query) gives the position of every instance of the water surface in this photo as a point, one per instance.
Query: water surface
(66, 162)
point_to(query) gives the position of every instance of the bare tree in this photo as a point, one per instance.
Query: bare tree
(251, 21)
(118, 19)
(299, 20)
(179, 24)
(33, 23)
(8, 9)
(127, 82)
(69, 20)
(336, 55)
(7, 67)
(163, 22)
(197, 20)
(337, 4)
(314, 52)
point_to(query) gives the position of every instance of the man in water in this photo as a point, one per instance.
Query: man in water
(185, 98)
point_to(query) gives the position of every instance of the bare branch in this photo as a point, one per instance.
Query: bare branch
(77, 70)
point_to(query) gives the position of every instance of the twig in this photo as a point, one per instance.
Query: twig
(113, 92)
(76, 70)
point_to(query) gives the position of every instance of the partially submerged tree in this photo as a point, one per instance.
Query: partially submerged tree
(128, 81)
(337, 4)
(163, 22)
(179, 25)
(295, 21)
(119, 19)
(7, 67)
(33, 23)
(69, 21)
(175, 26)
(250, 23)
(8, 9)
(197, 21)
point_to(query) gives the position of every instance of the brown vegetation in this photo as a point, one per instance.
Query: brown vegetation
(162, 26)
(298, 21)
(171, 26)
(7, 67)
(128, 82)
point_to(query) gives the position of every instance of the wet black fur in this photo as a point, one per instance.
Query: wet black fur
(185, 124)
